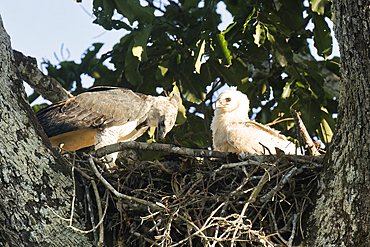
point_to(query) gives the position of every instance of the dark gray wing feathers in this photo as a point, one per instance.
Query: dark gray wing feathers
(98, 108)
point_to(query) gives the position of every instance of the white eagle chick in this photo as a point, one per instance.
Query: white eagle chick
(233, 131)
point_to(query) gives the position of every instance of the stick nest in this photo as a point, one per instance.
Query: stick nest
(188, 197)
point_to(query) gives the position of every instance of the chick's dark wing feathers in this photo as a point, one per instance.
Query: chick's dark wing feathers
(102, 107)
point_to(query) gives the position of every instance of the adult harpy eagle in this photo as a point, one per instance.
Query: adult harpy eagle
(233, 131)
(107, 115)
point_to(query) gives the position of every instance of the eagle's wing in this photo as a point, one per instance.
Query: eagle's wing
(102, 107)
(247, 137)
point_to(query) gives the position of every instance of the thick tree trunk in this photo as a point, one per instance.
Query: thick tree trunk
(31, 176)
(341, 216)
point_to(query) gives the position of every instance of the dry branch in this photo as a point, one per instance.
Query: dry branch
(169, 148)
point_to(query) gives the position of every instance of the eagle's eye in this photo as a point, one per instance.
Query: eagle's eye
(228, 99)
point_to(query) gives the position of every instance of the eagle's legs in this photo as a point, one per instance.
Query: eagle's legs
(114, 134)
(106, 137)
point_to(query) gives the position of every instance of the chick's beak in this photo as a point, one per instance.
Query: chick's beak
(218, 104)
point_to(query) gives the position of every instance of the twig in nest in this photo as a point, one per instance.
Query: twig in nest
(263, 180)
(90, 208)
(217, 230)
(167, 232)
(291, 238)
(76, 229)
(157, 206)
(72, 165)
(276, 227)
(73, 192)
(258, 188)
(100, 222)
(287, 178)
(101, 217)
(245, 181)
(200, 231)
(239, 222)
(232, 165)
(151, 215)
(100, 212)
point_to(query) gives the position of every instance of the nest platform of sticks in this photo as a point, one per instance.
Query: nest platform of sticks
(195, 197)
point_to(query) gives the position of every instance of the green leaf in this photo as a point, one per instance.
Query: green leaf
(189, 82)
(132, 73)
(264, 88)
(161, 72)
(299, 84)
(247, 20)
(36, 108)
(318, 6)
(260, 35)
(225, 52)
(290, 14)
(191, 88)
(326, 128)
(136, 54)
(189, 3)
(277, 24)
(229, 28)
(280, 49)
(199, 54)
(322, 38)
(89, 57)
(181, 116)
(232, 76)
(151, 133)
(133, 11)
(287, 90)
(141, 40)
(103, 10)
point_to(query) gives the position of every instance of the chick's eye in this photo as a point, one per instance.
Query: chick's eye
(228, 99)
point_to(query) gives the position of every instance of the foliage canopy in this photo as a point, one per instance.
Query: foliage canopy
(177, 46)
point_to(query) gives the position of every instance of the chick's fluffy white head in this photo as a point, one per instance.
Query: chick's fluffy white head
(232, 100)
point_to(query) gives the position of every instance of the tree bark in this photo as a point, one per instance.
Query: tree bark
(31, 176)
(47, 86)
(341, 216)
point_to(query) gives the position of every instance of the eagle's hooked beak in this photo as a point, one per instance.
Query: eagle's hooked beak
(161, 133)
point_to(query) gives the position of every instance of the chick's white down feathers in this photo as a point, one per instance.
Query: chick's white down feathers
(233, 131)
